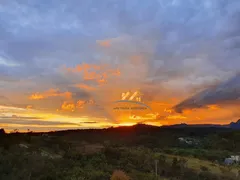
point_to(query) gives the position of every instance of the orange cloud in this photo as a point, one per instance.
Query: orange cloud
(187, 111)
(176, 117)
(115, 72)
(104, 43)
(213, 107)
(80, 104)
(71, 106)
(168, 110)
(36, 96)
(94, 72)
(102, 81)
(85, 86)
(50, 93)
(83, 67)
(29, 107)
(68, 106)
(91, 75)
(151, 116)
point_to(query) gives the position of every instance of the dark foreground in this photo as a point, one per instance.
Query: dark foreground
(121, 153)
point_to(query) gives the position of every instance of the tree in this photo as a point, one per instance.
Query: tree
(2, 131)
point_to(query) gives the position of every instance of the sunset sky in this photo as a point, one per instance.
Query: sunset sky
(64, 63)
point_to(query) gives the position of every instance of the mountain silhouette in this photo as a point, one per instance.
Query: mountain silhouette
(235, 125)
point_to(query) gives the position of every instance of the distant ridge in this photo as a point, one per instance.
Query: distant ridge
(232, 125)
(235, 125)
(143, 127)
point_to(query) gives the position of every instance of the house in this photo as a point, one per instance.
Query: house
(232, 160)
(181, 139)
(228, 161)
(185, 140)
(235, 158)
(23, 146)
(190, 141)
(45, 134)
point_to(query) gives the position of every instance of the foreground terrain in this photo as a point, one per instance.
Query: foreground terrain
(140, 153)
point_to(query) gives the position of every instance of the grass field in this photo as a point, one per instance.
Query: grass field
(197, 164)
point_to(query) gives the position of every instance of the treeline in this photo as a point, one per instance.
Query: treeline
(138, 164)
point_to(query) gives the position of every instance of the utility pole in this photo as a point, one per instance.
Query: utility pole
(156, 168)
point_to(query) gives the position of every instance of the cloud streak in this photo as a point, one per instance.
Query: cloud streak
(225, 93)
(50, 93)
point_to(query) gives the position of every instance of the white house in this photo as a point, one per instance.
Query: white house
(188, 140)
(235, 158)
(232, 160)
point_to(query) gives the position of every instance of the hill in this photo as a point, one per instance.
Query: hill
(235, 125)
(98, 154)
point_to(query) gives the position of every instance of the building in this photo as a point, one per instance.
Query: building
(228, 161)
(232, 160)
(190, 141)
(235, 158)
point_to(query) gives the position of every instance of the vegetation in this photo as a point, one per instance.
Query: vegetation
(128, 153)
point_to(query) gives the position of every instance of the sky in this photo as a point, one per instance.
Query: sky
(63, 64)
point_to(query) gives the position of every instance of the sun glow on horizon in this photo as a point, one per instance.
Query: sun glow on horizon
(126, 124)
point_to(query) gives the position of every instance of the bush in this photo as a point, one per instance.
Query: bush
(2, 132)
(119, 175)
(204, 168)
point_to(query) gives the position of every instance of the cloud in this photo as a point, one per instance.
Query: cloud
(50, 93)
(34, 122)
(85, 86)
(105, 43)
(226, 92)
(89, 122)
(98, 73)
(7, 62)
(20, 117)
(29, 107)
(28, 120)
(166, 49)
(68, 106)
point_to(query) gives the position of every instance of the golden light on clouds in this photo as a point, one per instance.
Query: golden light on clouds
(213, 107)
(29, 107)
(180, 117)
(36, 96)
(85, 86)
(168, 110)
(50, 93)
(80, 104)
(94, 87)
(77, 77)
(104, 43)
(94, 72)
(68, 106)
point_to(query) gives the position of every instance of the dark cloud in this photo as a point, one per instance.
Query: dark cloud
(89, 122)
(226, 92)
(32, 121)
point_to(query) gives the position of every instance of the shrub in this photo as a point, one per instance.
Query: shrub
(204, 168)
(2, 131)
(119, 175)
